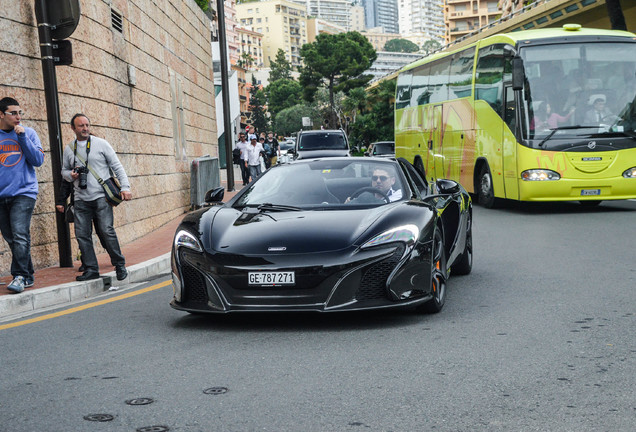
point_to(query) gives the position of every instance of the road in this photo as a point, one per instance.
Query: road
(540, 337)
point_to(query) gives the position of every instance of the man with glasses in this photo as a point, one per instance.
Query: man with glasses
(384, 182)
(20, 152)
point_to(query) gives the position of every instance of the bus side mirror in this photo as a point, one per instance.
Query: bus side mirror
(518, 74)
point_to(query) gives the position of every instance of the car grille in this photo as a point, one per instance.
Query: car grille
(373, 283)
(194, 286)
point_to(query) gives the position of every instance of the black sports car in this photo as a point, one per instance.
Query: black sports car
(325, 235)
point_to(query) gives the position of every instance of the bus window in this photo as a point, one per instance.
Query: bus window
(461, 74)
(438, 82)
(420, 95)
(489, 76)
(403, 91)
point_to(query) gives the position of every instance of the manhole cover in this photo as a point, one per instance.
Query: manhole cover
(153, 429)
(215, 390)
(140, 401)
(99, 417)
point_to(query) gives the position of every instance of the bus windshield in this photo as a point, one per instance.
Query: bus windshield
(578, 90)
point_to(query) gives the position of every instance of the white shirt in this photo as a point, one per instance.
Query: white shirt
(242, 145)
(254, 154)
(394, 195)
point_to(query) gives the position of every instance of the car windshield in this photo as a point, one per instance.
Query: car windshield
(579, 91)
(322, 141)
(327, 183)
(383, 148)
(286, 145)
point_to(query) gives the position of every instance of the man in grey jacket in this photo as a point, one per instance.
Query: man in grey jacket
(90, 198)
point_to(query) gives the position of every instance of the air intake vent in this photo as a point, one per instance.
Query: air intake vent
(117, 21)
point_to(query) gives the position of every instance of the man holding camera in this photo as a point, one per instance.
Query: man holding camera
(90, 198)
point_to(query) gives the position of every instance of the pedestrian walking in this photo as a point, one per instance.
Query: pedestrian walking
(242, 145)
(254, 151)
(20, 153)
(84, 159)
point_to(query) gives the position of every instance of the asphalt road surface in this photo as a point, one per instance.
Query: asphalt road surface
(540, 337)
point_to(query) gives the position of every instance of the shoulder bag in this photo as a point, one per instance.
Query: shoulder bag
(111, 185)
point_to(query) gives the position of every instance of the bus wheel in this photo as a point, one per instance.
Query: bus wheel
(486, 194)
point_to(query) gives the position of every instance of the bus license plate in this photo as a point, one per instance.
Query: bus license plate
(271, 278)
(587, 192)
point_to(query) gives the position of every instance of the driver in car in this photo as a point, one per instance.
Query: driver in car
(384, 182)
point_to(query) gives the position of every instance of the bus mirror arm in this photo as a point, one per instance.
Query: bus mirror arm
(518, 73)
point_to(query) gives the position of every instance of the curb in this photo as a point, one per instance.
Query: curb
(34, 300)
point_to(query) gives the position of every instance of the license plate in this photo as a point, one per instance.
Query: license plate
(586, 192)
(271, 278)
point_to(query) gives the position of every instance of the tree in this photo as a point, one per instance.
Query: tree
(290, 120)
(280, 67)
(615, 13)
(430, 46)
(257, 107)
(281, 94)
(335, 61)
(246, 61)
(377, 122)
(203, 4)
(401, 45)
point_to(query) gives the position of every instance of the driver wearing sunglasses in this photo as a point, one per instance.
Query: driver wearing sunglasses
(383, 181)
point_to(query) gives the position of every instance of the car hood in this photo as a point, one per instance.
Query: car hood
(234, 232)
(313, 154)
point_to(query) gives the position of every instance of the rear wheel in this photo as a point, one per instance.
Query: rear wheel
(485, 191)
(590, 203)
(438, 276)
(465, 263)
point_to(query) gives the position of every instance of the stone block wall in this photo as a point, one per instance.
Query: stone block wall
(165, 45)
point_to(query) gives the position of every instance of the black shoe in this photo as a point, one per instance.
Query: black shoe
(121, 272)
(87, 276)
(81, 269)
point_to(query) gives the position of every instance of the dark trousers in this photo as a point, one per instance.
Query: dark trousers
(245, 172)
(101, 213)
(15, 224)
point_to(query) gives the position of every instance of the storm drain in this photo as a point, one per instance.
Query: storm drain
(153, 429)
(140, 401)
(215, 390)
(99, 417)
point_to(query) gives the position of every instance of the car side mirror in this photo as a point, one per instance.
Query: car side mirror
(445, 186)
(214, 195)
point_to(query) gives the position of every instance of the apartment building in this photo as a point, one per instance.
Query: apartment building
(357, 18)
(337, 12)
(421, 19)
(462, 17)
(382, 13)
(316, 26)
(282, 23)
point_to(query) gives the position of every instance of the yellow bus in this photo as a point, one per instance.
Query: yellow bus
(537, 115)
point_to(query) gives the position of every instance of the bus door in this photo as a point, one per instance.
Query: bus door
(435, 144)
(509, 146)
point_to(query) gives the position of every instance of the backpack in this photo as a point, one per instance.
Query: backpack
(236, 156)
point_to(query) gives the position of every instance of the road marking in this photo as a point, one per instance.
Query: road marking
(84, 307)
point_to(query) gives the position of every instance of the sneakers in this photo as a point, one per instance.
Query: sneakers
(17, 285)
(87, 276)
(121, 272)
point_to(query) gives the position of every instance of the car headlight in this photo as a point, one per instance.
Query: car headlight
(407, 234)
(185, 239)
(540, 175)
(630, 173)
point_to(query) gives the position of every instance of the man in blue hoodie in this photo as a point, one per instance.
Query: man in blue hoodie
(20, 152)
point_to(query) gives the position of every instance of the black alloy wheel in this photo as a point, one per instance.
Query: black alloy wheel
(438, 275)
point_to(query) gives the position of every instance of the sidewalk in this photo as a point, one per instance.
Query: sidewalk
(145, 257)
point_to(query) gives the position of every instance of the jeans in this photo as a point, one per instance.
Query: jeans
(100, 212)
(255, 171)
(15, 224)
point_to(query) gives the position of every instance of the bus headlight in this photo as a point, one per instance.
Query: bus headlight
(540, 175)
(630, 173)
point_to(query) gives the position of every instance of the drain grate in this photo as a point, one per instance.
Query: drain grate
(140, 401)
(99, 417)
(215, 390)
(153, 429)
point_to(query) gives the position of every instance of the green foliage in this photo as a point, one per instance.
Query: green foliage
(203, 4)
(430, 46)
(377, 121)
(281, 94)
(257, 107)
(335, 61)
(401, 45)
(245, 61)
(280, 67)
(290, 120)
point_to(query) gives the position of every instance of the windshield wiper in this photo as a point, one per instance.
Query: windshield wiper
(553, 131)
(277, 207)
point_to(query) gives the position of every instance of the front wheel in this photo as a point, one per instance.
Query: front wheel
(485, 191)
(438, 276)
